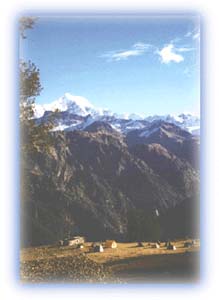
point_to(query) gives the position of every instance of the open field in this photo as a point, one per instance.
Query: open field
(126, 263)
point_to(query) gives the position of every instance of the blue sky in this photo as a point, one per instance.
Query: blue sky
(146, 65)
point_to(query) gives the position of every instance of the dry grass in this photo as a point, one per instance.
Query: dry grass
(131, 250)
(127, 261)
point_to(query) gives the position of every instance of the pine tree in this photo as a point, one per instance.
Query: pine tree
(34, 136)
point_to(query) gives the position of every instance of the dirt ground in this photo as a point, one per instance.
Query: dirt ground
(128, 263)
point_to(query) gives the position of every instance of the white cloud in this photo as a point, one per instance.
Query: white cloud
(142, 46)
(184, 49)
(125, 54)
(136, 50)
(196, 36)
(168, 54)
(188, 34)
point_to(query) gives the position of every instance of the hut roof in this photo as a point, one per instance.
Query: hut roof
(110, 241)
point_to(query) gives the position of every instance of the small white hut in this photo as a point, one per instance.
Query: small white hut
(98, 248)
(171, 247)
(156, 245)
(110, 244)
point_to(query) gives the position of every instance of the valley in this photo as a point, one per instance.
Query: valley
(128, 263)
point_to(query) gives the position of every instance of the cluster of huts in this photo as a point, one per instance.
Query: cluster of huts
(78, 242)
(168, 245)
(99, 247)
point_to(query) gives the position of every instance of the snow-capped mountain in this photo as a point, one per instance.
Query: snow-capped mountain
(73, 104)
(188, 122)
(76, 113)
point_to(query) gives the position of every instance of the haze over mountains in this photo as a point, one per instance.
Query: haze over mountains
(106, 176)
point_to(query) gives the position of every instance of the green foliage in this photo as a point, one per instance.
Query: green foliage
(34, 137)
(29, 76)
(30, 87)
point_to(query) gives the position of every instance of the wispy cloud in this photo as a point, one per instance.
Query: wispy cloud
(169, 54)
(125, 54)
(194, 34)
(136, 50)
(188, 34)
(184, 49)
(142, 46)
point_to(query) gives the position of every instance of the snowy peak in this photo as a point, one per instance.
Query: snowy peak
(188, 122)
(72, 107)
(78, 100)
(74, 104)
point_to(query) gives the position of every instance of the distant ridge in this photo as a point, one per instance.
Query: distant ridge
(70, 105)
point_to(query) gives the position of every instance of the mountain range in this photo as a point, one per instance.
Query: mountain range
(111, 177)
(76, 112)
